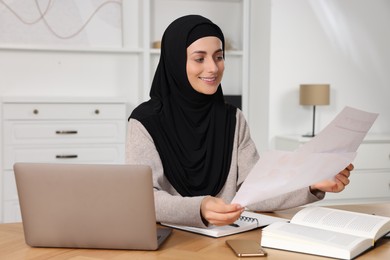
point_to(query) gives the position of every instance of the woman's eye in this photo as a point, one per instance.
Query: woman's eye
(199, 59)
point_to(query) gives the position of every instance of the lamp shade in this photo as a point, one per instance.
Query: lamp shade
(314, 94)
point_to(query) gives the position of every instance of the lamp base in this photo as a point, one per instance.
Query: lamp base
(314, 119)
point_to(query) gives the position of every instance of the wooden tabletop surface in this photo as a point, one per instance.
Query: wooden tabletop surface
(180, 245)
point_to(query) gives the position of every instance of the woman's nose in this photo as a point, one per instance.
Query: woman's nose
(211, 66)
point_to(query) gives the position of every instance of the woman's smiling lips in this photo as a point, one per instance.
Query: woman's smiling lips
(208, 79)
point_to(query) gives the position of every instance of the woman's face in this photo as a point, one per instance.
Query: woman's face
(205, 64)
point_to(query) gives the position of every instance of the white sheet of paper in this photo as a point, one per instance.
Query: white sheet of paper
(344, 134)
(280, 172)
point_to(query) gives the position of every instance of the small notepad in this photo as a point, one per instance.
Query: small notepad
(248, 221)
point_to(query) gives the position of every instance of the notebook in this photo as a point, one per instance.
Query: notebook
(249, 220)
(88, 206)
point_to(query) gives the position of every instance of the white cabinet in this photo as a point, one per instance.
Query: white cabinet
(60, 131)
(370, 180)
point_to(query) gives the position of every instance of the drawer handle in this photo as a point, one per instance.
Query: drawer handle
(36, 111)
(71, 132)
(97, 111)
(70, 156)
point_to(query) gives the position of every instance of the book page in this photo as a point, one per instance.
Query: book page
(293, 231)
(312, 240)
(358, 224)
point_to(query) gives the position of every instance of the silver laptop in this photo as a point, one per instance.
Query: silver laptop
(88, 206)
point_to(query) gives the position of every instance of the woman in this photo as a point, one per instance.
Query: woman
(198, 147)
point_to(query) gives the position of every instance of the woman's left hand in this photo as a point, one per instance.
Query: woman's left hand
(338, 184)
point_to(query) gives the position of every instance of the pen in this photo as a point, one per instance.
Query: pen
(234, 225)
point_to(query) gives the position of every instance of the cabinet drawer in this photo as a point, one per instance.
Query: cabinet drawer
(72, 154)
(373, 156)
(33, 111)
(365, 185)
(56, 132)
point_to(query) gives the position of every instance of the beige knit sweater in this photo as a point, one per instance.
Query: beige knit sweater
(171, 207)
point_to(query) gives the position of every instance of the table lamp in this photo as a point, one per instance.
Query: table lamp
(314, 95)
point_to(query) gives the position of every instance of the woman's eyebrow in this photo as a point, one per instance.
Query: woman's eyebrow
(199, 52)
(205, 52)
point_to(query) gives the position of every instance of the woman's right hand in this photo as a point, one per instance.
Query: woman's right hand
(215, 211)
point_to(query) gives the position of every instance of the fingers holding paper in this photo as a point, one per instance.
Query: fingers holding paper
(338, 184)
(215, 211)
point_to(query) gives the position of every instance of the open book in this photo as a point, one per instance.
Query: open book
(249, 220)
(327, 232)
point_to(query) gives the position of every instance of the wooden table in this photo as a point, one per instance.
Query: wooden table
(180, 245)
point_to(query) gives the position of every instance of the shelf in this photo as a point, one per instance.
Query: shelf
(61, 99)
(72, 49)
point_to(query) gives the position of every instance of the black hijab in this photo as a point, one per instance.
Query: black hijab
(193, 132)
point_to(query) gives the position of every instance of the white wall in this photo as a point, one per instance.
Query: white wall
(343, 43)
